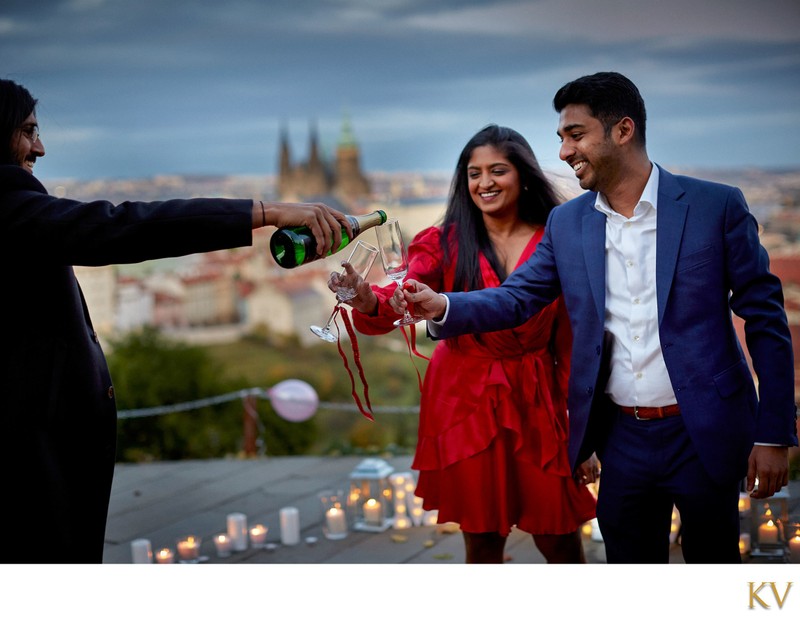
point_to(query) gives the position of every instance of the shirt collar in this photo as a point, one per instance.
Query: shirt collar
(649, 195)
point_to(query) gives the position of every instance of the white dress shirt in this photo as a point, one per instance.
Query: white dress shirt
(638, 374)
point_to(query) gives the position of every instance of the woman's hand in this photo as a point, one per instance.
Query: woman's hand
(365, 300)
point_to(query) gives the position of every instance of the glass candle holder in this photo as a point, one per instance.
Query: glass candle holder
(189, 549)
(258, 536)
(165, 556)
(223, 544)
(334, 514)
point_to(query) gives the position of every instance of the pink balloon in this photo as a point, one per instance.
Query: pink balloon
(294, 400)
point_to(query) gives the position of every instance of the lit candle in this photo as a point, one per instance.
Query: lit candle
(372, 512)
(290, 525)
(336, 523)
(794, 550)
(189, 548)
(165, 556)
(258, 535)
(141, 551)
(237, 531)
(401, 522)
(744, 502)
(744, 543)
(768, 533)
(223, 543)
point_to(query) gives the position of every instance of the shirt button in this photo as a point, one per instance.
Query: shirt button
(635, 338)
(110, 391)
(627, 225)
(629, 263)
(638, 375)
(636, 301)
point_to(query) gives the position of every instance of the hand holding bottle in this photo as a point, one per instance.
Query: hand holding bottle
(326, 224)
(294, 245)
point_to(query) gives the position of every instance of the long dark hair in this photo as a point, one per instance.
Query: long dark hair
(16, 104)
(463, 222)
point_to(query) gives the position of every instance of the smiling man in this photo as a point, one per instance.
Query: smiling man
(651, 266)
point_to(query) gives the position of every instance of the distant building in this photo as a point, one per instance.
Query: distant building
(342, 179)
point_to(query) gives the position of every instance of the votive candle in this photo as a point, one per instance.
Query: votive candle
(744, 543)
(189, 548)
(258, 535)
(165, 556)
(222, 542)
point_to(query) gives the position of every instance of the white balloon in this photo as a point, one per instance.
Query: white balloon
(294, 400)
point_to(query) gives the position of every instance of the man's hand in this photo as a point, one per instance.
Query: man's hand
(770, 465)
(325, 223)
(588, 472)
(421, 299)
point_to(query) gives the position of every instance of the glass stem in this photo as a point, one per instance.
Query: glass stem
(333, 315)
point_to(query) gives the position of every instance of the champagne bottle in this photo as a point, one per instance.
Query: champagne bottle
(294, 246)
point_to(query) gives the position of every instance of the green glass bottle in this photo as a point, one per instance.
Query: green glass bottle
(294, 246)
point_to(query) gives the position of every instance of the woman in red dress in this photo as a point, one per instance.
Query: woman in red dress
(492, 442)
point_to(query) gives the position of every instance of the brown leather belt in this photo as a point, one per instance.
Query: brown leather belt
(651, 413)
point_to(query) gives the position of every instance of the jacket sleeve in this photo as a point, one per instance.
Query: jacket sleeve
(757, 298)
(35, 224)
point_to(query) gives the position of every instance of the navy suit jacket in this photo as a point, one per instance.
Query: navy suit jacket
(57, 407)
(709, 262)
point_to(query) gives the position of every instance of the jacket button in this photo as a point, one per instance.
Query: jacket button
(589, 391)
(110, 391)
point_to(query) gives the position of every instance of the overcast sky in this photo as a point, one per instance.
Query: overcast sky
(132, 88)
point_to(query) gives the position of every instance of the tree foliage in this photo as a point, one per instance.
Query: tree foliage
(151, 370)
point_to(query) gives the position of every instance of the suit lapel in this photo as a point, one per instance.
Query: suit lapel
(671, 218)
(594, 252)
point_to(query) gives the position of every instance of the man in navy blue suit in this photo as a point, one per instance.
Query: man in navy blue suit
(651, 265)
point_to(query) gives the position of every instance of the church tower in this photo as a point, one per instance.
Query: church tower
(285, 187)
(317, 177)
(316, 181)
(350, 182)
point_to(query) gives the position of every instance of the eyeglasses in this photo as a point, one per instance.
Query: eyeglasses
(31, 131)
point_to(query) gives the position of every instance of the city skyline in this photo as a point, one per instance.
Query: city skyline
(130, 90)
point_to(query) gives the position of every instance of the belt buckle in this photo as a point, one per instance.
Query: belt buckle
(636, 413)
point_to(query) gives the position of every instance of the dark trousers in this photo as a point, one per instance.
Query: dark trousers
(647, 467)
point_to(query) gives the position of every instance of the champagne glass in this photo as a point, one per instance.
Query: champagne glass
(361, 259)
(394, 256)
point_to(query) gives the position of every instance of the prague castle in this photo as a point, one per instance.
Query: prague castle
(317, 178)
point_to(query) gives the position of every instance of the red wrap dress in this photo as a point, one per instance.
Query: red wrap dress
(492, 440)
